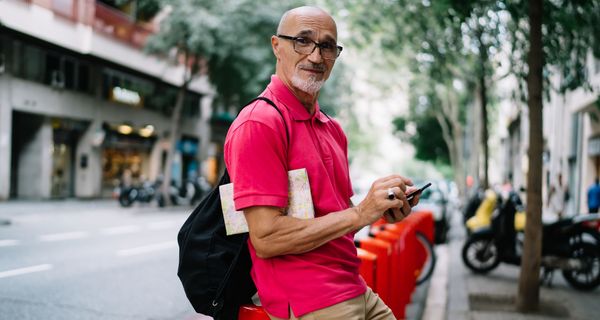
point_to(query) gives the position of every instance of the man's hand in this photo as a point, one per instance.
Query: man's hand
(397, 214)
(388, 193)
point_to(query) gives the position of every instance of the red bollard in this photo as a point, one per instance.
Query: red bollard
(368, 267)
(424, 223)
(383, 251)
(403, 268)
(419, 254)
(252, 312)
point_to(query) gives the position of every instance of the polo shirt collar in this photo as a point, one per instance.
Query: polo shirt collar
(297, 111)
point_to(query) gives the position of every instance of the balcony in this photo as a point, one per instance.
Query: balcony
(102, 18)
(121, 26)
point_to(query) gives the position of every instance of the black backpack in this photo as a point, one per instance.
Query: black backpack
(214, 268)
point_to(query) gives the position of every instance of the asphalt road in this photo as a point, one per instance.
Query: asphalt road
(90, 260)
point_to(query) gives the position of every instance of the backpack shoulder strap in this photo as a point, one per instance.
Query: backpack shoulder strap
(323, 112)
(267, 100)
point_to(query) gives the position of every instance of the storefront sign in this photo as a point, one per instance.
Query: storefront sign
(126, 96)
(594, 146)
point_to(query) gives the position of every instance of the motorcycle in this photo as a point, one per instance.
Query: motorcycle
(146, 192)
(190, 192)
(569, 245)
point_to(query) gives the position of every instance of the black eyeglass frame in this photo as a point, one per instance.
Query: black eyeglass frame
(319, 45)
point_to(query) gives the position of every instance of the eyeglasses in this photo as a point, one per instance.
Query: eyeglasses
(329, 50)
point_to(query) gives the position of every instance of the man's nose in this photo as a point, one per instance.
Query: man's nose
(315, 56)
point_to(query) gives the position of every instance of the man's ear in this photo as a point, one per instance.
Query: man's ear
(275, 46)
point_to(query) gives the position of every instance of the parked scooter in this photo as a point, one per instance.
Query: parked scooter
(569, 245)
(146, 192)
(190, 192)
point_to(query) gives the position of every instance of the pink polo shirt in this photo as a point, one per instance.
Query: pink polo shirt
(258, 159)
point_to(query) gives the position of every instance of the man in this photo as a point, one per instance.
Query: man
(557, 196)
(593, 197)
(305, 268)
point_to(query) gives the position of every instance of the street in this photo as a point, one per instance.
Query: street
(90, 260)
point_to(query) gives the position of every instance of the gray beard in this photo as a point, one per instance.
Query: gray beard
(309, 86)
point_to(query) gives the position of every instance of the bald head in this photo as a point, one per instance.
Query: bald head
(290, 18)
(306, 49)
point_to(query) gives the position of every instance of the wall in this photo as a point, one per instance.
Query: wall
(35, 163)
(5, 137)
(88, 180)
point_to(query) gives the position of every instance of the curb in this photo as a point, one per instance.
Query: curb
(437, 296)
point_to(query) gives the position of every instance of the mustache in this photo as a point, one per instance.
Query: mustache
(314, 66)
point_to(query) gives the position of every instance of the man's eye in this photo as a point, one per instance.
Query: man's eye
(328, 46)
(302, 41)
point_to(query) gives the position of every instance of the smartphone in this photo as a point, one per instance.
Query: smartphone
(411, 196)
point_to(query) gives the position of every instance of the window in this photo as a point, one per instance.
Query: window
(69, 72)
(191, 105)
(16, 58)
(33, 69)
(83, 78)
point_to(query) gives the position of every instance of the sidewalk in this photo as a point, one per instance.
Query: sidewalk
(456, 293)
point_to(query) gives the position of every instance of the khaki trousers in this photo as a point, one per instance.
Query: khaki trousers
(364, 307)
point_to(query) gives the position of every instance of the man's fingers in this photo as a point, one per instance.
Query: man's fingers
(406, 181)
(415, 200)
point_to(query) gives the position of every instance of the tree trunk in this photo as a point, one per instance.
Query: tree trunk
(483, 57)
(452, 132)
(528, 297)
(173, 138)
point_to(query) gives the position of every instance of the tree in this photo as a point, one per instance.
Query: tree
(228, 40)
(431, 36)
(528, 297)
(557, 36)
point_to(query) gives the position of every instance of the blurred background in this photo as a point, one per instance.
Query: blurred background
(113, 115)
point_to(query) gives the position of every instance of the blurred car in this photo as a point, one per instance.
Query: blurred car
(434, 201)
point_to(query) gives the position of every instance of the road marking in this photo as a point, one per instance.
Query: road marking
(158, 225)
(8, 243)
(20, 271)
(146, 249)
(120, 230)
(64, 236)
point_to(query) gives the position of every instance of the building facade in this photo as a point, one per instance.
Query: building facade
(571, 140)
(83, 108)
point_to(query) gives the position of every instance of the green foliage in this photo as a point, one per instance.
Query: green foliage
(570, 30)
(440, 41)
(427, 137)
(230, 37)
(147, 9)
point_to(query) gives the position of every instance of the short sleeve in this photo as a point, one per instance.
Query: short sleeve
(255, 156)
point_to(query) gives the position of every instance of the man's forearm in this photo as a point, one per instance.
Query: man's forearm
(289, 235)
